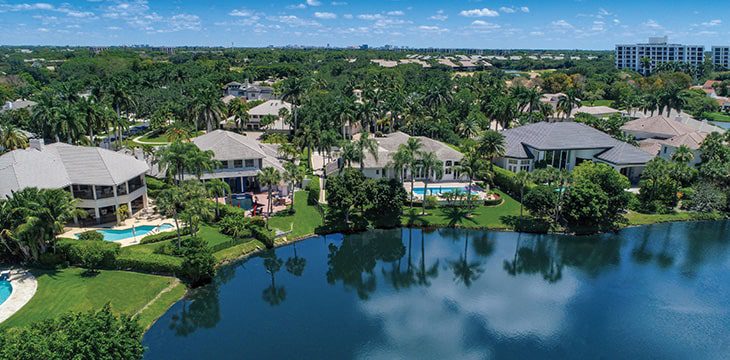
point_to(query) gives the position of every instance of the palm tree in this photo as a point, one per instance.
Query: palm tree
(121, 99)
(650, 103)
(269, 177)
(366, 145)
(430, 164)
(522, 178)
(92, 114)
(645, 65)
(174, 158)
(45, 115)
(568, 102)
(11, 138)
(407, 157)
(366, 113)
(293, 90)
(469, 126)
(207, 108)
(198, 162)
(471, 165)
(683, 155)
(169, 203)
(350, 153)
(217, 188)
(239, 110)
(293, 175)
(491, 146)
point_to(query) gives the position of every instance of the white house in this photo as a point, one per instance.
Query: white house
(249, 91)
(382, 167)
(269, 108)
(241, 157)
(564, 145)
(101, 180)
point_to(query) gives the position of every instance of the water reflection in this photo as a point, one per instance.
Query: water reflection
(450, 293)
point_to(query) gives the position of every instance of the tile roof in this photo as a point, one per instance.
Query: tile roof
(691, 140)
(228, 145)
(270, 107)
(657, 124)
(389, 144)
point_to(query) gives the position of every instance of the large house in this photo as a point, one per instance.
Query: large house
(382, 167)
(269, 108)
(241, 158)
(101, 180)
(249, 91)
(564, 145)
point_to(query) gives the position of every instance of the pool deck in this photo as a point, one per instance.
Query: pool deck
(24, 287)
(435, 185)
(71, 232)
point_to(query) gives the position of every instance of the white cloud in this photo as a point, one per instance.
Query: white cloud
(294, 21)
(485, 12)
(507, 10)
(652, 24)
(439, 16)
(395, 13)
(715, 22)
(325, 15)
(371, 17)
(338, 3)
(481, 24)
(537, 33)
(297, 6)
(347, 16)
(64, 8)
(241, 13)
(561, 24)
(525, 9)
(432, 29)
(314, 3)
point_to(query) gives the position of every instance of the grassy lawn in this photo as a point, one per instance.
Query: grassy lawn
(305, 220)
(161, 138)
(66, 290)
(236, 251)
(207, 232)
(483, 217)
(717, 116)
(636, 218)
(608, 103)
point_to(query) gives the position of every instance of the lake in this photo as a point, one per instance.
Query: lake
(660, 291)
(724, 125)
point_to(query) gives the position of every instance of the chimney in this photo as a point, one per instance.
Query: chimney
(36, 144)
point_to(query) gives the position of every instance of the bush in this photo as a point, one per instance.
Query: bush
(267, 237)
(198, 265)
(149, 263)
(506, 181)
(541, 201)
(91, 235)
(50, 260)
(227, 210)
(430, 201)
(154, 186)
(235, 226)
(167, 235)
(313, 191)
(705, 197)
(91, 255)
(493, 202)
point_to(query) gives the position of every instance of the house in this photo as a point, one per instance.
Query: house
(388, 145)
(269, 108)
(241, 157)
(655, 127)
(17, 105)
(691, 140)
(600, 112)
(249, 91)
(101, 180)
(564, 145)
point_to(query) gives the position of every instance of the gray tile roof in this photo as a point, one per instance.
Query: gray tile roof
(228, 145)
(569, 136)
(59, 165)
(657, 124)
(271, 107)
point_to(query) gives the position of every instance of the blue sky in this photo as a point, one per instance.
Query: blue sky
(582, 24)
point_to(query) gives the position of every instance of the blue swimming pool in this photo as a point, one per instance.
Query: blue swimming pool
(437, 190)
(244, 201)
(5, 290)
(121, 234)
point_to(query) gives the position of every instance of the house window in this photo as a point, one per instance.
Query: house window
(448, 162)
(237, 163)
(377, 172)
(512, 162)
(665, 150)
(249, 163)
(448, 171)
(224, 164)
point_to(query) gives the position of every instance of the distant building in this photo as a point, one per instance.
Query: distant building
(249, 91)
(17, 105)
(658, 51)
(721, 56)
(269, 108)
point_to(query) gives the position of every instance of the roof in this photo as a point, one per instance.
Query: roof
(18, 104)
(569, 136)
(595, 110)
(271, 107)
(228, 145)
(59, 165)
(651, 146)
(659, 125)
(389, 144)
(691, 140)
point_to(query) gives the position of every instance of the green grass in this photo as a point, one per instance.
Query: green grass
(483, 217)
(237, 251)
(148, 316)
(635, 218)
(207, 232)
(305, 220)
(608, 103)
(717, 116)
(66, 290)
(161, 138)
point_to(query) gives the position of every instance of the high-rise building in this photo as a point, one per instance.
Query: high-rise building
(721, 56)
(657, 51)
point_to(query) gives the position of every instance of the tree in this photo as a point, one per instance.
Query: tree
(585, 205)
(431, 166)
(472, 165)
(207, 108)
(11, 138)
(198, 265)
(658, 191)
(568, 102)
(406, 159)
(706, 197)
(342, 191)
(122, 213)
(350, 153)
(541, 201)
(522, 178)
(386, 197)
(293, 90)
(293, 175)
(170, 204)
(217, 188)
(366, 144)
(269, 177)
(491, 146)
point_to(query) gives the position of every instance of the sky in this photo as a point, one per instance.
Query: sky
(484, 24)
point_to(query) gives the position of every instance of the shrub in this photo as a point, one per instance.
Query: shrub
(226, 210)
(541, 201)
(706, 197)
(267, 237)
(167, 235)
(493, 202)
(430, 201)
(198, 265)
(91, 255)
(50, 260)
(91, 235)
(235, 226)
(313, 191)
(154, 186)
(506, 181)
(149, 263)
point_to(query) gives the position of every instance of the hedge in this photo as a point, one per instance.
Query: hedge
(167, 235)
(149, 263)
(73, 251)
(228, 244)
(506, 181)
(313, 191)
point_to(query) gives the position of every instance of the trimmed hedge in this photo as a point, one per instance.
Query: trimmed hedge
(167, 235)
(149, 263)
(313, 190)
(74, 251)
(506, 181)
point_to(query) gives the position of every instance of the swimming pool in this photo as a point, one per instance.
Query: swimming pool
(438, 190)
(5, 290)
(244, 201)
(120, 234)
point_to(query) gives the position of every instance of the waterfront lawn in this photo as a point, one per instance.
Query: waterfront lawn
(717, 116)
(608, 103)
(482, 217)
(305, 220)
(66, 290)
(636, 218)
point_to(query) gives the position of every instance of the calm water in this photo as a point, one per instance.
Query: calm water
(660, 292)
(725, 125)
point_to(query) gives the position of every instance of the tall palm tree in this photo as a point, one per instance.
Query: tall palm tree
(169, 203)
(207, 108)
(293, 175)
(217, 188)
(45, 115)
(198, 162)
(683, 155)
(11, 138)
(269, 177)
(471, 165)
(350, 153)
(293, 90)
(568, 102)
(239, 110)
(92, 115)
(120, 96)
(469, 126)
(522, 178)
(430, 165)
(367, 113)
(491, 146)
(366, 145)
